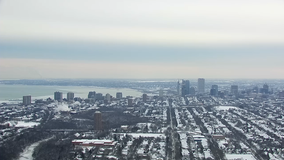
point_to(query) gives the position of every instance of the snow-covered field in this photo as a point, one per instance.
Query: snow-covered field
(28, 152)
(22, 124)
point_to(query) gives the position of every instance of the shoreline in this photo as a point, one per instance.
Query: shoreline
(14, 93)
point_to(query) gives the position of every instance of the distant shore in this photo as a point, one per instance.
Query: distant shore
(15, 92)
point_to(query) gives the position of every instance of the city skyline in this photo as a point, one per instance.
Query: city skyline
(135, 40)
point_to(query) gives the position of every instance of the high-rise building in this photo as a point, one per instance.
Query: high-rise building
(144, 96)
(98, 121)
(107, 97)
(99, 96)
(70, 96)
(130, 102)
(27, 100)
(192, 90)
(215, 87)
(265, 88)
(214, 90)
(201, 85)
(161, 93)
(234, 89)
(178, 88)
(118, 95)
(92, 94)
(185, 85)
(58, 96)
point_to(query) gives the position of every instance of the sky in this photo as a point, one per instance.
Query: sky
(142, 39)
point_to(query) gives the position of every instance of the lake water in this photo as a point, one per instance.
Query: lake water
(16, 92)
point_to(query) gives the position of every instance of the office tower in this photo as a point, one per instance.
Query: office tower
(214, 90)
(185, 85)
(201, 85)
(58, 96)
(107, 97)
(92, 94)
(234, 89)
(192, 90)
(178, 88)
(27, 100)
(70, 96)
(161, 93)
(99, 96)
(118, 95)
(130, 102)
(98, 121)
(144, 96)
(265, 88)
(215, 87)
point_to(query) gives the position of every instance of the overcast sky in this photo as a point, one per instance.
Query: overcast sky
(141, 39)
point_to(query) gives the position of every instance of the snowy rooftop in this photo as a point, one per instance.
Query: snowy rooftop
(240, 157)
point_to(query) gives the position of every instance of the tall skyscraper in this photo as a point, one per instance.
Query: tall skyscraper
(98, 121)
(70, 96)
(107, 97)
(178, 88)
(92, 94)
(201, 85)
(234, 89)
(214, 90)
(58, 96)
(144, 97)
(27, 100)
(185, 85)
(118, 95)
(265, 88)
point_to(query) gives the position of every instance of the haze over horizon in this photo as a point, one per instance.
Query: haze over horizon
(142, 39)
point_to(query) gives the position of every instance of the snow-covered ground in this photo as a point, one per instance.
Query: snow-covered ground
(28, 152)
(23, 124)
